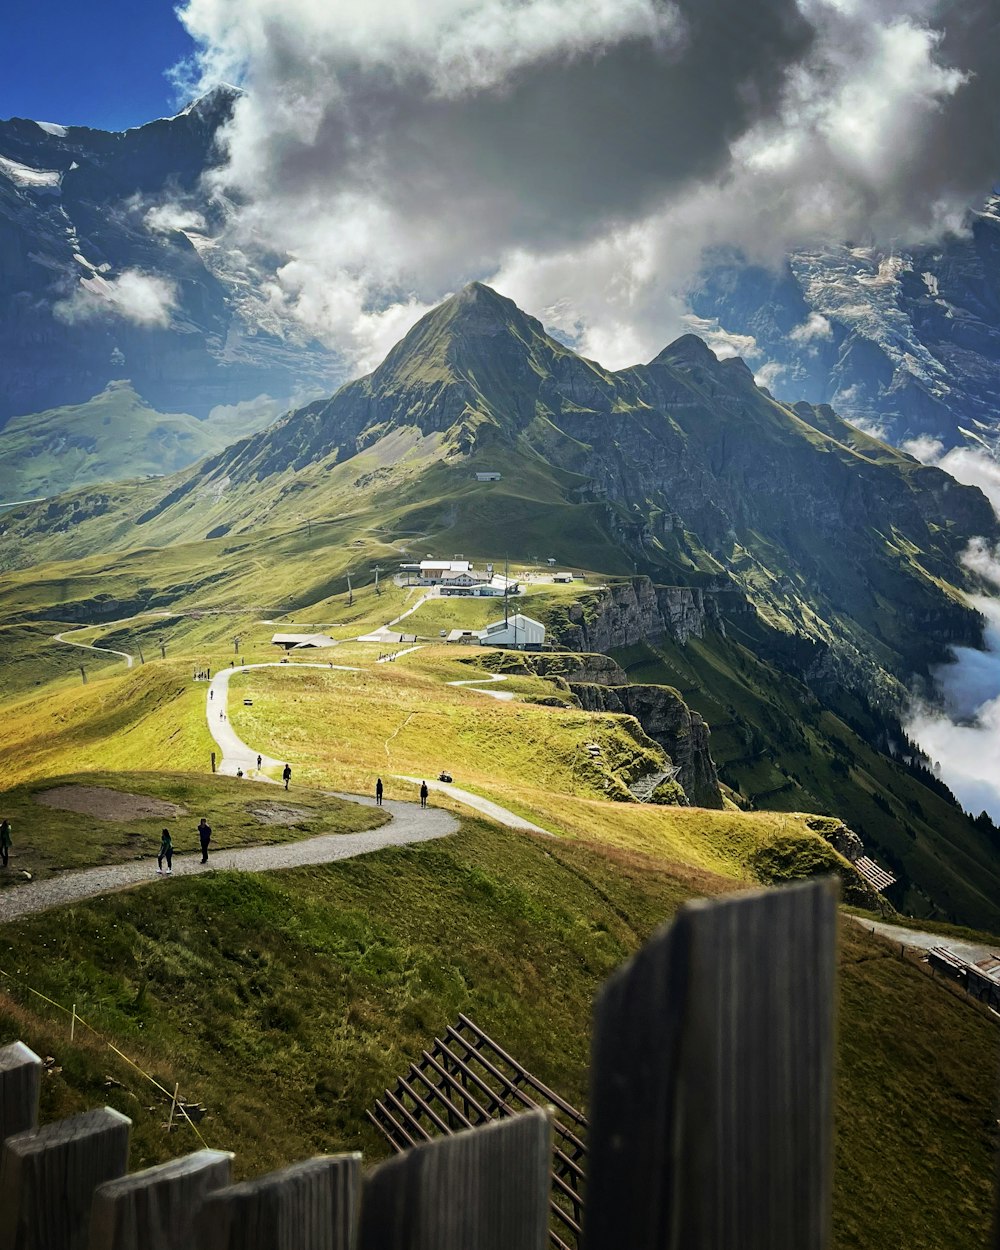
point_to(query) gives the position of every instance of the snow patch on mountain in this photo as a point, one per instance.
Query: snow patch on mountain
(860, 288)
(46, 181)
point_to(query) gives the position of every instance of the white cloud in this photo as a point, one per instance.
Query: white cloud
(721, 341)
(165, 218)
(972, 466)
(141, 298)
(815, 327)
(768, 374)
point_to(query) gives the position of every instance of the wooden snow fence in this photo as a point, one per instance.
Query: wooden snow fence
(711, 1128)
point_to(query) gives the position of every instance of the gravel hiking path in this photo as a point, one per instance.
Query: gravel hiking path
(87, 647)
(493, 810)
(971, 952)
(504, 695)
(408, 825)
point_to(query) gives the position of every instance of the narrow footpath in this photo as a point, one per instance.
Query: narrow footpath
(86, 646)
(918, 939)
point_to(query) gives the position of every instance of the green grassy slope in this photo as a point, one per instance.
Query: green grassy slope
(112, 436)
(287, 1002)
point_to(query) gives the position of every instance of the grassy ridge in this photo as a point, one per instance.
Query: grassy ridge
(286, 1002)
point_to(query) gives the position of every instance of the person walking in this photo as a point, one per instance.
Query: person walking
(204, 836)
(286, 774)
(166, 853)
(260, 760)
(5, 841)
(423, 794)
(378, 792)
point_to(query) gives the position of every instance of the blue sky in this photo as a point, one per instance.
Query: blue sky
(100, 63)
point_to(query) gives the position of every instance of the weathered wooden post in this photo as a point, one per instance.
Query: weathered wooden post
(48, 1178)
(711, 1121)
(310, 1206)
(485, 1189)
(20, 1083)
(157, 1209)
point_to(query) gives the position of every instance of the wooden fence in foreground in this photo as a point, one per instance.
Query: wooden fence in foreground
(710, 1128)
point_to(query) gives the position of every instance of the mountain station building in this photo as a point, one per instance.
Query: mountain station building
(292, 642)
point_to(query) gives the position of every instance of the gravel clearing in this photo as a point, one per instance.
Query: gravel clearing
(278, 814)
(409, 824)
(107, 804)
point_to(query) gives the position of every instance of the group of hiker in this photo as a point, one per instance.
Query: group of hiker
(379, 788)
(167, 847)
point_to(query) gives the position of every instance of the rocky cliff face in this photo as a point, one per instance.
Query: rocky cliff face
(907, 341)
(629, 612)
(668, 720)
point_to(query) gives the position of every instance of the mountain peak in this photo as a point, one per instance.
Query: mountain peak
(688, 350)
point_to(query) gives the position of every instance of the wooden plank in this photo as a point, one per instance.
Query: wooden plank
(20, 1083)
(711, 1120)
(484, 1189)
(48, 1178)
(309, 1206)
(157, 1209)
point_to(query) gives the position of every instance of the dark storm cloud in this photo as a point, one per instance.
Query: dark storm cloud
(582, 153)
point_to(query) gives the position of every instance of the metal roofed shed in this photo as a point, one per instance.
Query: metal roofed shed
(291, 642)
(518, 631)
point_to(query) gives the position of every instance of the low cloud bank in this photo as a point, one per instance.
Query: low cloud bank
(962, 734)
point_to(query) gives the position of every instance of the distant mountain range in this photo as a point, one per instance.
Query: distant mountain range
(682, 469)
(907, 342)
(110, 269)
(114, 267)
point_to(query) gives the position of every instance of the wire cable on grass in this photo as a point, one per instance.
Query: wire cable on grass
(110, 1045)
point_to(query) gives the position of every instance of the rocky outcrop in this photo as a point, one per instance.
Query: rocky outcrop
(625, 613)
(593, 668)
(668, 720)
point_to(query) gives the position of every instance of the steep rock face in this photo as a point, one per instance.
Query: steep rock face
(668, 720)
(906, 341)
(594, 669)
(635, 611)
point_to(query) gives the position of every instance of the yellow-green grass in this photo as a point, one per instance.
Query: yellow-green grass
(344, 729)
(287, 1002)
(49, 839)
(144, 719)
(30, 660)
